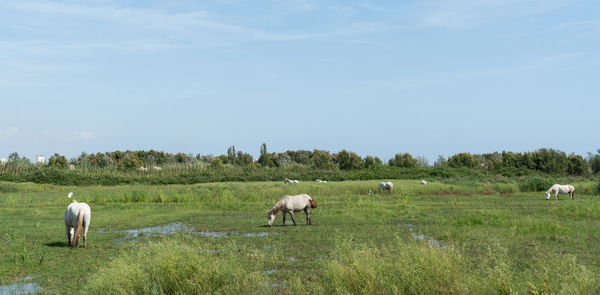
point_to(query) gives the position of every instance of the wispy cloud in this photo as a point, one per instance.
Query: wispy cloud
(373, 7)
(197, 23)
(7, 133)
(137, 16)
(457, 14)
(85, 135)
(298, 5)
(545, 63)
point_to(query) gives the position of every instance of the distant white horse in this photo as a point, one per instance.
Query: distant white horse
(77, 218)
(320, 181)
(560, 189)
(423, 182)
(292, 181)
(388, 186)
(291, 204)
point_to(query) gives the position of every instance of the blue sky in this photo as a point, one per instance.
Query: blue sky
(427, 77)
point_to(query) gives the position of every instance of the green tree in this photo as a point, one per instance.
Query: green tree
(440, 162)
(372, 162)
(462, 160)
(263, 159)
(594, 161)
(577, 165)
(403, 160)
(322, 160)
(348, 160)
(58, 161)
(13, 157)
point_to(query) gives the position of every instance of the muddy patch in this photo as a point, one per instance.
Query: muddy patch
(23, 286)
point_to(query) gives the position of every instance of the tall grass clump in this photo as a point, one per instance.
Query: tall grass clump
(404, 267)
(535, 183)
(172, 267)
(414, 267)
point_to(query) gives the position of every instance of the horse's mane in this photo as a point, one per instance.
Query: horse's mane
(277, 207)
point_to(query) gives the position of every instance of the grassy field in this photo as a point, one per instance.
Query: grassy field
(447, 238)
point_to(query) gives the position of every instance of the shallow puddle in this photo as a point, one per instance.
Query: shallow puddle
(169, 229)
(22, 287)
(261, 234)
(178, 227)
(431, 242)
(211, 234)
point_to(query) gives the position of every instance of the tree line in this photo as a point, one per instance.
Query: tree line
(544, 160)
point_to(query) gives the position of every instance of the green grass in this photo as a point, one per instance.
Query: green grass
(458, 237)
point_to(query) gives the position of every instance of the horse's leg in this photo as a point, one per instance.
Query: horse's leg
(283, 218)
(69, 235)
(307, 211)
(85, 230)
(293, 219)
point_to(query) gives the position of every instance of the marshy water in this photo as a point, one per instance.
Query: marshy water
(178, 227)
(431, 242)
(23, 286)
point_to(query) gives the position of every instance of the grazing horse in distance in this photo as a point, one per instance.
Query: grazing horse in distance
(290, 204)
(387, 185)
(423, 182)
(77, 219)
(291, 181)
(560, 189)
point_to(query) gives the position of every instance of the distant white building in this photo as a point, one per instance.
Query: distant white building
(40, 159)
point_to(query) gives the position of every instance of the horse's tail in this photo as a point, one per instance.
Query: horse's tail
(391, 187)
(78, 228)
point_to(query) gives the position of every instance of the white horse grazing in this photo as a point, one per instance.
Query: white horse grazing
(77, 218)
(292, 181)
(320, 181)
(388, 186)
(560, 189)
(423, 182)
(291, 204)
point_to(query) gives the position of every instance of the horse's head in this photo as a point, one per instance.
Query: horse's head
(313, 204)
(547, 196)
(270, 218)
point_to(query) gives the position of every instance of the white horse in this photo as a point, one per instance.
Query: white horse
(388, 186)
(423, 182)
(291, 204)
(77, 218)
(292, 181)
(320, 181)
(560, 189)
